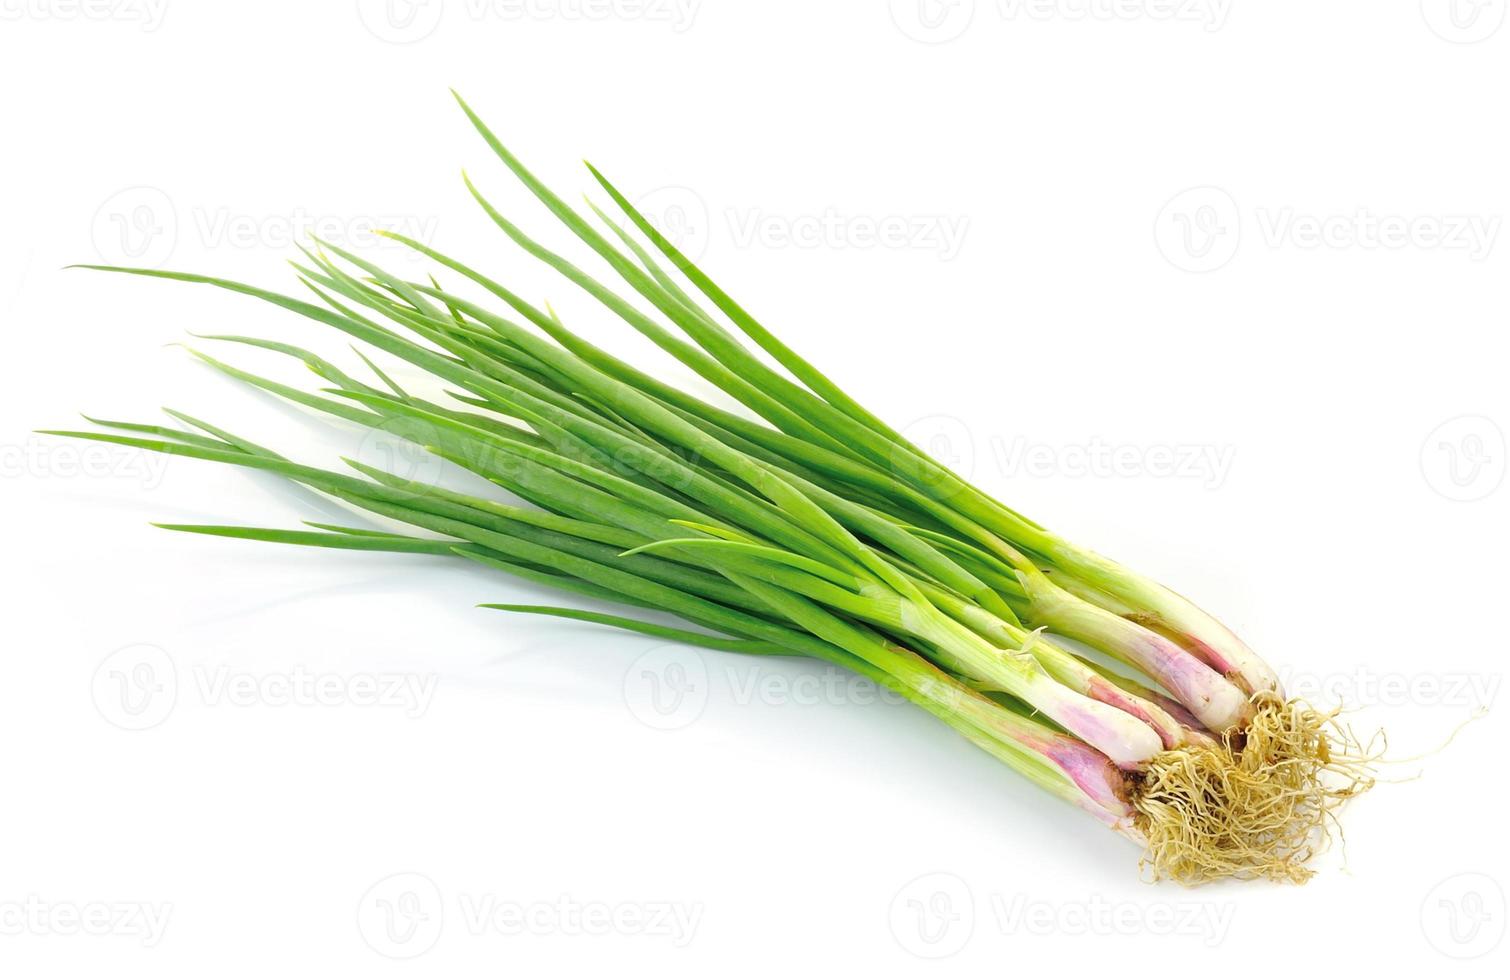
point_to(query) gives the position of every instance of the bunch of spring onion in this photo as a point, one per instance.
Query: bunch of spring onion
(805, 526)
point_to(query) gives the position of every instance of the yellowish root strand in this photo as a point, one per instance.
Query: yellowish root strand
(1259, 805)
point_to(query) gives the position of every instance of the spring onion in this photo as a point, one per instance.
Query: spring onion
(801, 526)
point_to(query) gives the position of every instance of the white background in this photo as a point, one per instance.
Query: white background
(1230, 304)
